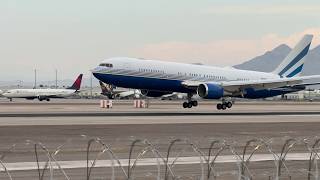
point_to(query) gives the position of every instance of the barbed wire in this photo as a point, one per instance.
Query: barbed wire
(243, 155)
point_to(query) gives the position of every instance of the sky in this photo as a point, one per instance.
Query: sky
(73, 36)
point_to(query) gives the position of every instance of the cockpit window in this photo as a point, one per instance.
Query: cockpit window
(106, 65)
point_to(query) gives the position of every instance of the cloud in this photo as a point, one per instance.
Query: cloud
(223, 52)
(294, 38)
(263, 9)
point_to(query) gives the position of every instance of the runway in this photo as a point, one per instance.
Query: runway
(72, 124)
(163, 113)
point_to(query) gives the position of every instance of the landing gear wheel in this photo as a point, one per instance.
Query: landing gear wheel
(219, 106)
(185, 105)
(194, 103)
(189, 105)
(223, 106)
(229, 104)
(47, 99)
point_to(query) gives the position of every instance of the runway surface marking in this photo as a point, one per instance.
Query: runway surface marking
(22, 166)
(301, 115)
(121, 114)
(126, 120)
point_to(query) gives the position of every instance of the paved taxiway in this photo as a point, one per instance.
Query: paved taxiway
(77, 112)
(73, 122)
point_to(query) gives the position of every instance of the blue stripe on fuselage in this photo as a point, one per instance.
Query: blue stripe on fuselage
(143, 83)
(265, 93)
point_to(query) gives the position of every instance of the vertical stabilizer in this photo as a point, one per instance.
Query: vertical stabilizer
(77, 83)
(292, 65)
(107, 90)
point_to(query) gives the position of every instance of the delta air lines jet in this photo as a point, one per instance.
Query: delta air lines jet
(157, 78)
(44, 94)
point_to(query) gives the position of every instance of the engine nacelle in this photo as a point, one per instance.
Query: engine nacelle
(210, 91)
(150, 93)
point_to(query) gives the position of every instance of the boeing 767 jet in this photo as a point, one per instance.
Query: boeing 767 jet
(156, 78)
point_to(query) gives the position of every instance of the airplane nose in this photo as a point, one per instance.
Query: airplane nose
(96, 69)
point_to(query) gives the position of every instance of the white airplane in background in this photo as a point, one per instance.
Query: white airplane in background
(44, 94)
(109, 91)
(157, 78)
(174, 96)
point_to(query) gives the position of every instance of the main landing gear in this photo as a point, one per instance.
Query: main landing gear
(224, 105)
(190, 103)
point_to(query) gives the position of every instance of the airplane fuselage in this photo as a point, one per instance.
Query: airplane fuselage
(168, 76)
(38, 93)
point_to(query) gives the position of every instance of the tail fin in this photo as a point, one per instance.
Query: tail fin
(105, 88)
(292, 65)
(77, 83)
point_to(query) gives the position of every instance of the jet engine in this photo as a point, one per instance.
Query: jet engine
(210, 91)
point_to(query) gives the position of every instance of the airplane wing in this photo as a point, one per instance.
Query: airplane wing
(238, 86)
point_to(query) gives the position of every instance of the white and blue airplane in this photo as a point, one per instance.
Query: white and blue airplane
(157, 78)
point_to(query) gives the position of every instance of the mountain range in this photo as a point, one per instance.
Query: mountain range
(271, 59)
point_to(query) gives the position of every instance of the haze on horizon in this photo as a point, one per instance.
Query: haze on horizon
(74, 36)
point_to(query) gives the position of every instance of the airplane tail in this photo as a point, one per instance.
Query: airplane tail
(292, 65)
(106, 89)
(77, 83)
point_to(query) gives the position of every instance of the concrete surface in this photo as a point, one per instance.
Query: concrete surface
(62, 122)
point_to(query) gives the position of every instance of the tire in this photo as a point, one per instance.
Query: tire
(185, 105)
(47, 99)
(229, 104)
(189, 105)
(223, 106)
(194, 103)
(219, 106)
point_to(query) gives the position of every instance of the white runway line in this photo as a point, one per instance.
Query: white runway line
(301, 115)
(22, 166)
